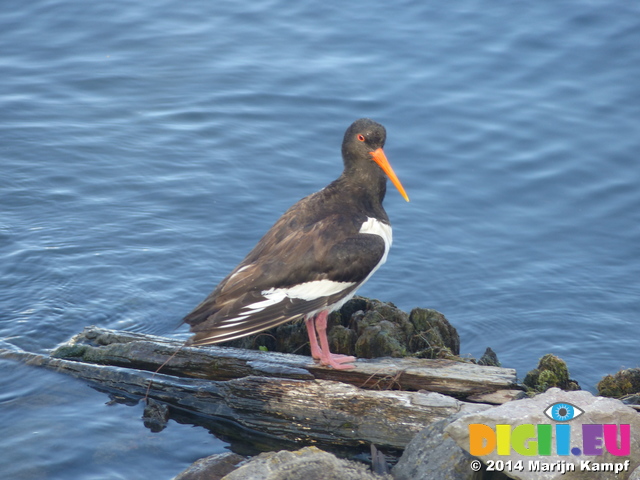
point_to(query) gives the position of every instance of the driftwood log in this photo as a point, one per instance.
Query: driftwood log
(148, 352)
(281, 396)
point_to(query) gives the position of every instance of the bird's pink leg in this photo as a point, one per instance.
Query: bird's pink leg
(337, 361)
(316, 353)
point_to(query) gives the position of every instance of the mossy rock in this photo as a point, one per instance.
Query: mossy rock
(434, 336)
(380, 330)
(551, 372)
(376, 311)
(380, 339)
(69, 351)
(344, 315)
(624, 382)
(342, 340)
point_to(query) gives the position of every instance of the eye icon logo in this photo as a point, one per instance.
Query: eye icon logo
(563, 412)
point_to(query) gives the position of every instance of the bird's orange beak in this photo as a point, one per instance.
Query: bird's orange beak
(381, 159)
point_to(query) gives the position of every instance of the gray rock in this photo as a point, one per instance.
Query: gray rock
(498, 397)
(309, 463)
(429, 456)
(578, 464)
(489, 358)
(213, 467)
(432, 455)
(379, 463)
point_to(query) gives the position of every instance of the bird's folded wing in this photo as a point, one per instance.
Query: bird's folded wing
(287, 278)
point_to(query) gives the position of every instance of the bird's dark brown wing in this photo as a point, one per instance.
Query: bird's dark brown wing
(293, 271)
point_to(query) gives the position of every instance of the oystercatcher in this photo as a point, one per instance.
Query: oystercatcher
(313, 259)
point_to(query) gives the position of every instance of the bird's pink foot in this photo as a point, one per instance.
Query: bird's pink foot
(335, 360)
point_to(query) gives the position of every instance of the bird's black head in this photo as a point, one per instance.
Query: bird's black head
(362, 150)
(362, 137)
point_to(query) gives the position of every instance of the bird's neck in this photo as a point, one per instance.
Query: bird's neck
(367, 184)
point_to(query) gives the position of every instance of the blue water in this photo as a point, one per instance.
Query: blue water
(145, 147)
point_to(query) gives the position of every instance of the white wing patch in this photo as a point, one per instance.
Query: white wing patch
(308, 291)
(305, 291)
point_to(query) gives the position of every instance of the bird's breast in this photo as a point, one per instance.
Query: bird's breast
(373, 226)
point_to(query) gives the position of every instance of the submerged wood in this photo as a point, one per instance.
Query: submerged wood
(148, 352)
(308, 411)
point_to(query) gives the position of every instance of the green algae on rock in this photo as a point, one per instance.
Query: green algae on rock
(434, 337)
(624, 382)
(551, 372)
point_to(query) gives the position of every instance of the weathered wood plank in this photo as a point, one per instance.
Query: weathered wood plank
(148, 352)
(307, 411)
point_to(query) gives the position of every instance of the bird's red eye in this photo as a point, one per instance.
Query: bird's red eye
(361, 137)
